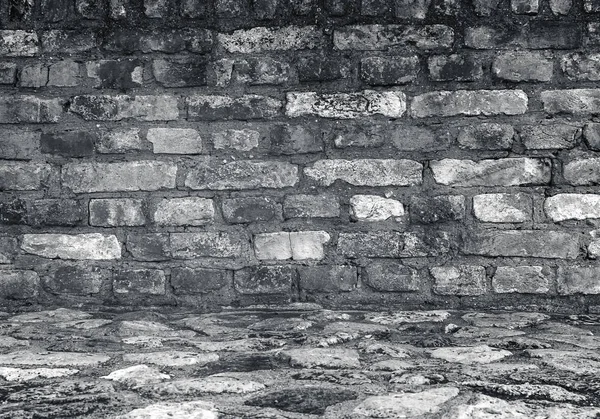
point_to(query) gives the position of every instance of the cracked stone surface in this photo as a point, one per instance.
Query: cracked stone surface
(298, 362)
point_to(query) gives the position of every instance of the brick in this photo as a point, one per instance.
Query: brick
(259, 280)
(58, 41)
(156, 8)
(196, 8)
(300, 245)
(149, 246)
(578, 280)
(117, 108)
(311, 206)
(20, 10)
(591, 6)
(485, 7)
(118, 9)
(437, 209)
(13, 211)
(64, 73)
(391, 276)
(522, 243)
(33, 75)
(214, 108)
(8, 73)
(77, 279)
(263, 39)
(582, 172)
(572, 206)
(346, 105)
(170, 41)
(117, 212)
(549, 136)
(187, 281)
(523, 66)
(303, 7)
(183, 72)
(389, 71)
(175, 140)
(411, 138)
(90, 9)
(54, 10)
(503, 208)
(574, 101)
(322, 68)
(251, 209)
(383, 37)
(236, 139)
(142, 281)
(469, 103)
(29, 109)
(265, 9)
(8, 248)
(536, 35)
(521, 279)
(328, 278)
(361, 135)
(55, 212)
(581, 66)
(15, 176)
(18, 43)
(591, 135)
(500, 172)
(124, 176)
(120, 141)
(463, 280)
(486, 136)
(68, 143)
(525, 7)
(308, 244)
(455, 67)
(366, 172)
(263, 71)
(242, 175)
(221, 72)
(447, 7)
(18, 285)
(92, 246)
(274, 246)
(375, 208)
(392, 244)
(412, 9)
(375, 7)
(188, 211)
(216, 244)
(592, 34)
(561, 7)
(231, 8)
(19, 144)
(338, 7)
(116, 74)
(294, 139)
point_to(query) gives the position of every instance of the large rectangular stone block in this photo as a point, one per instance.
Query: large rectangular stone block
(572, 101)
(469, 103)
(17, 176)
(393, 244)
(216, 244)
(117, 108)
(262, 39)
(29, 109)
(382, 37)
(366, 172)
(93, 246)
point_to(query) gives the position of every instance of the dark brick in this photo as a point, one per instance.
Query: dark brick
(375, 7)
(412, 9)
(8, 249)
(68, 41)
(167, 41)
(69, 144)
(8, 73)
(116, 74)
(412, 138)
(437, 209)
(311, 206)
(91, 9)
(231, 8)
(486, 136)
(18, 285)
(156, 8)
(196, 8)
(20, 10)
(77, 279)
(142, 281)
(265, 280)
(302, 7)
(215, 244)
(558, 35)
(264, 9)
(393, 244)
(13, 212)
(485, 7)
(198, 280)
(294, 139)
(55, 10)
(322, 68)
(264, 70)
(252, 209)
(339, 7)
(184, 72)
(29, 109)
(59, 212)
(455, 68)
(391, 276)
(327, 278)
(214, 108)
(149, 246)
(33, 75)
(387, 71)
(361, 135)
(17, 176)
(19, 144)
(525, 7)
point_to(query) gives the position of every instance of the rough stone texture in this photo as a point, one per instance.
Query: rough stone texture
(382, 37)
(299, 245)
(521, 279)
(367, 172)
(572, 207)
(552, 136)
(387, 71)
(311, 206)
(392, 244)
(265, 280)
(523, 66)
(252, 209)
(15, 176)
(459, 280)
(327, 278)
(142, 281)
(120, 141)
(175, 140)
(375, 208)
(591, 135)
(391, 276)
(469, 103)
(262, 39)
(574, 101)
(400, 405)
(503, 208)
(116, 212)
(222, 244)
(437, 209)
(94, 246)
(214, 108)
(20, 285)
(582, 172)
(455, 68)
(184, 211)
(578, 280)
(117, 108)
(198, 281)
(241, 140)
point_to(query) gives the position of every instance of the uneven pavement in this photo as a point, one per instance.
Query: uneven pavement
(298, 361)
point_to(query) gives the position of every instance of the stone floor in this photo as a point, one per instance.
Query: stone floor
(300, 361)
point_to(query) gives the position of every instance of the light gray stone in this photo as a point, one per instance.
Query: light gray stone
(375, 208)
(94, 246)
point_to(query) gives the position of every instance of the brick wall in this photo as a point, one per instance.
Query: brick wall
(431, 153)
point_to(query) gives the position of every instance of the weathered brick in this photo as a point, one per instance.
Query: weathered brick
(77, 279)
(262, 70)
(116, 74)
(175, 140)
(118, 9)
(124, 176)
(322, 68)
(142, 281)
(20, 10)
(460, 280)
(18, 285)
(561, 7)
(156, 8)
(469, 103)
(346, 105)
(185, 211)
(92, 246)
(591, 135)
(263, 39)
(18, 43)
(578, 280)
(575, 101)
(258, 280)
(393, 244)
(591, 6)
(18, 143)
(242, 175)
(536, 35)
(58, 41)
(523, 66)
(549, 136)
(129, 41)
(187, 281)
(582, 172)
(486, 136)
(220, 72)
(581, 66)
(265, 9)
(572, 206)
(217, 244)
(303, 7)
(33, 75)
(196, 8)
(455, 67)
(13, 211)
(8, 248)
(8, 73)
(64, 73)
(592, 35)
(117, 108)
(68, 143)
(391, 276)
(120, 141)
(411, 138)
(375, 208)
(521, 279)
(54, 10)
(437, 209)
(294, 139)
(183, 72)
(308, 244)
(149, 246)
(116, 212)
(525, 7)
(327, 278)
(338, 7)
(236, 139)
(311, 206)
(360, 135)
(251, 209)
(276, 246)
(522, 243)
(15, 176)
(231, 8)
(51, 212)
(299, 245)
(366, 172)
(375, 7)
(214, 108)
(91, 9)
(501, 172)
(503, 208)
(383, 37)
(29, 109)
(485, 7)
(388, 71)
(412, 9)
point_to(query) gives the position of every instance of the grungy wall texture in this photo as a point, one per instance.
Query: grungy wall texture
(407, 153)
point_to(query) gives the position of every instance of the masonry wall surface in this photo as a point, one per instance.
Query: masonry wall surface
(199, 153)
